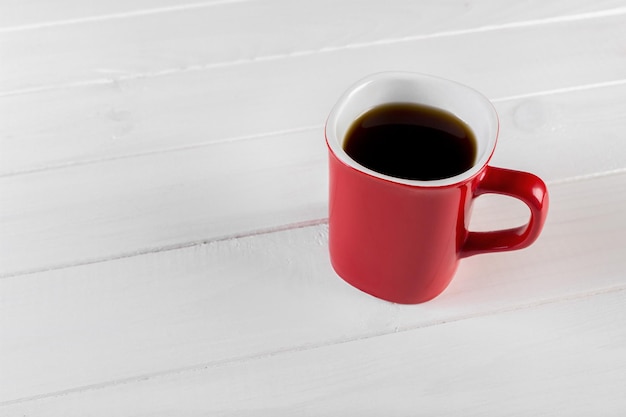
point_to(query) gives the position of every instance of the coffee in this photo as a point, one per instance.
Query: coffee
(411, 141)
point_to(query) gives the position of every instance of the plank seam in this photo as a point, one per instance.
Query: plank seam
(562, 90)
(310, 347)
(263, 231)
(81, 162)
(120, 15)
(71, 164)
(357, 45)
(167, 248)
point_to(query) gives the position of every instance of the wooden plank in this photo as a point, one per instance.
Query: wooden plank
(548, 355)
(124, 206)
(139, 115)
(20, 15)
(202, 307)
(178, 37)
(120, 207)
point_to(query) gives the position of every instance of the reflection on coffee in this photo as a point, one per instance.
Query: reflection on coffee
(411, 141)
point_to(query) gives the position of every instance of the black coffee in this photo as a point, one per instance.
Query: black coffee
(411, 141)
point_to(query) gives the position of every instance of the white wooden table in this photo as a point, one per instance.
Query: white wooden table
(163, 236)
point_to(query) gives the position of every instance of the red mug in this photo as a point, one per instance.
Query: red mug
(401, 240)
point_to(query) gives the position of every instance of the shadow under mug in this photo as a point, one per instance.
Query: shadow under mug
(401, 240)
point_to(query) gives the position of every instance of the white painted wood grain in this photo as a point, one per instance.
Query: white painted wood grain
(129, 205)
(120, 207)
(118, 322)
(566, 357)
(18, 15)
(132, 116)
(215, 33)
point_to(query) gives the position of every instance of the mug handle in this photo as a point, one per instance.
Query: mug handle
(523, 186)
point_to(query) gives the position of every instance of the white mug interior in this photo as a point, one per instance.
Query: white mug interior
(465, 103)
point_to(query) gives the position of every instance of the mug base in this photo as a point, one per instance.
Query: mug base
(392, 295)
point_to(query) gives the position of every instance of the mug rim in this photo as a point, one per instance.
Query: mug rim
(335, 144)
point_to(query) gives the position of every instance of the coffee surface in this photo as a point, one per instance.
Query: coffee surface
(411, 141)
